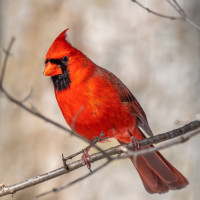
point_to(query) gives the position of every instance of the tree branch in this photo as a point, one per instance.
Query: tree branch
(174, 4)
(155, 13)
(118, 150)
(7, 53)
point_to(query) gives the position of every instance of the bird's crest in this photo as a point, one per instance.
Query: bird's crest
(61, 47)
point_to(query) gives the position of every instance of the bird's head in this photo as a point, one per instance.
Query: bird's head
(59, 60)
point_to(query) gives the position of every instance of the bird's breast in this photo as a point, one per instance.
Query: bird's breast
(94, 107)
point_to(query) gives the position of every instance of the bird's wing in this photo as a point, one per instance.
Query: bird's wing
(127, 97)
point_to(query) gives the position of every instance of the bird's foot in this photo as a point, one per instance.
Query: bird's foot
(135, 142)
(87, 159)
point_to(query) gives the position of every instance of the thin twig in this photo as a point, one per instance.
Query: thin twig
(75, 181)
(97, 139)
(185, 17)
(7, 53)
(182, 13)
(176, 7)
(156, 13)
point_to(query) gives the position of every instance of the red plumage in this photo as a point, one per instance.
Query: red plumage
(93, 100)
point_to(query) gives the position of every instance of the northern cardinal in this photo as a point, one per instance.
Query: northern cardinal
(93, 100)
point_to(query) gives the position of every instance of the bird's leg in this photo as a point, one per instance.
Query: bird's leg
(135, 142)
(87, 159)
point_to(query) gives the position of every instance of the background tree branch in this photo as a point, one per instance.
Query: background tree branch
(175, 5)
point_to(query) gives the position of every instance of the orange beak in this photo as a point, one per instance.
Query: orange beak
(52, 70)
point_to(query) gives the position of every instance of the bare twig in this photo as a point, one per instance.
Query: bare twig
(156, 13)
(176, 7)
(73, 182)
(97, 139)
(182, 13)
(7, 53)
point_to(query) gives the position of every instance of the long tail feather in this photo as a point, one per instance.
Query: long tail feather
(157, 174)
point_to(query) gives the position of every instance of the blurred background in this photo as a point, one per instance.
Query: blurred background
(158, 59)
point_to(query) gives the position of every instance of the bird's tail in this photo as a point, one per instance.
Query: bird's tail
(157, 174)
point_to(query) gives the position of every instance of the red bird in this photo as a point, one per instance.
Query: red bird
(93, 100)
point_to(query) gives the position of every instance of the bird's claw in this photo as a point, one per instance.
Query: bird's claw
(87, 159)
(136, 144)
(134, 141)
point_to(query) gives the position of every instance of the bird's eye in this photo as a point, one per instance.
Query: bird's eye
(64, 59)
(46, 61)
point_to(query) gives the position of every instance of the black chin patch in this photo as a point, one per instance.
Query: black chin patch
(61, 81)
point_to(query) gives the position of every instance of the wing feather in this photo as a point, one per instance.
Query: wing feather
(127, 98)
